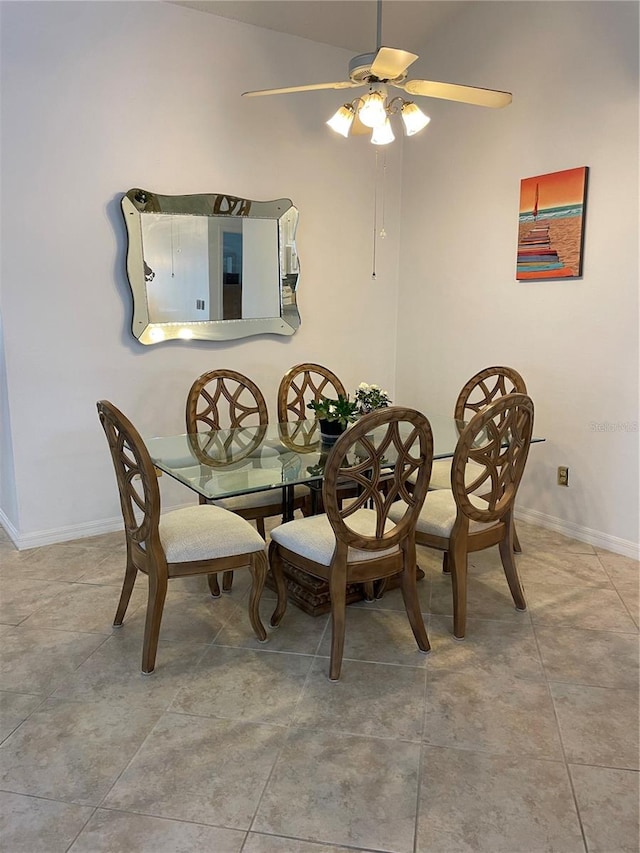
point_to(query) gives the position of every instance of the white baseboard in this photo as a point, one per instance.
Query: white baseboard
(59, 534)
(582, 534)
(109, 525)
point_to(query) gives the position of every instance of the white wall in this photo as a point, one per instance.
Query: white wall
(573, 71)
(101, 97)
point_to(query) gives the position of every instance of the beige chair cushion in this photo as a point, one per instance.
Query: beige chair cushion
(206, 532)
(438, 514)
(257, 499)
(441, 473)
(314, 539)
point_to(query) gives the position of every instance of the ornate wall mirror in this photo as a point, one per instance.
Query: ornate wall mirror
(210, 267)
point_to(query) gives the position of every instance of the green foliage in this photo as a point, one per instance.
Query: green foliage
(343, 409)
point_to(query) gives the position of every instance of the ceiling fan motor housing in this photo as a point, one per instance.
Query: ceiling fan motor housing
(360, 70)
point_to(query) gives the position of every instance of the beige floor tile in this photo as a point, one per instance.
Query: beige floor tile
(608, 806)
(20, 597)
(119, 832)
(186, 618)
(113, 673)
(64, 562)
(376, 699)
(600, 658)
(106, 542)
(14, 708)
(298, 632)
(81, 722)
(620, 569)
(257, 843)
(73, 751)
(220, 784)
(562, 567)
(598, 725)
(533, 538)
(500, 804)
(246, 685)
(567, 606)
(33, 825)
(83, 607)
(489, 646)
(361, 791)
(488, 597)
(488, 712)
(379, 636)
(37, 660)
(630, 595)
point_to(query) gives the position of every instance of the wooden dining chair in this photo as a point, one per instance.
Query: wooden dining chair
(355, 541)
(482, 389)
(301, 385)
(192, 541)
(477, 512)
(225, 399)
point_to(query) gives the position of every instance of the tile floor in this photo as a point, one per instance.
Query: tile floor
(522, 738)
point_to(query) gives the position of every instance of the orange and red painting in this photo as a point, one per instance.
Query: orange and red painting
(551, 225)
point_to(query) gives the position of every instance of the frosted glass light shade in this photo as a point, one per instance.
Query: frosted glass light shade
(382, 135)
(342, 120)
(413, 118)
(372, 112)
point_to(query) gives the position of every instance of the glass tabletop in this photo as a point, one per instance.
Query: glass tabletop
(225, 463)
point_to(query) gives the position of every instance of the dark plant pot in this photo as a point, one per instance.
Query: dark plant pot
(330, 431)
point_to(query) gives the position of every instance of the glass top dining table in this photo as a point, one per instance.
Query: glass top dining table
(225, 463)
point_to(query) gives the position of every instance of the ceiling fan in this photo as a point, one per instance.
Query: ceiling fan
(387, 67)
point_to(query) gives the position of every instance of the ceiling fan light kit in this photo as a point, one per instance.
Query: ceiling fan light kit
(388, 67)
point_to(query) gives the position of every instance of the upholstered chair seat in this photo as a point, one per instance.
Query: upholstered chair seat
(439, 513)
(206, 532)
(314, 539)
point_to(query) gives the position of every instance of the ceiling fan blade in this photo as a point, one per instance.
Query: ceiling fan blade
(390, 62)
(455, 92)
(343, 84)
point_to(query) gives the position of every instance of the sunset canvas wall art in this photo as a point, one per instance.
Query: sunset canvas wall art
(551, 225)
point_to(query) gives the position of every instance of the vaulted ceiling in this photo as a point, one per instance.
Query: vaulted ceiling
(351, 24)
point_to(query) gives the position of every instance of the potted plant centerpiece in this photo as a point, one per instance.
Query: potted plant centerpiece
(333, 416)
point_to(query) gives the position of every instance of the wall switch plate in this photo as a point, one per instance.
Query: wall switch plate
(563, 475)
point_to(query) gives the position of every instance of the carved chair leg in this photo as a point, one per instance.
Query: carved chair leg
(369, 594)
(412, 603)
(516, 542)
(125, 595)
(260, 527)
(214, 587)
(155, 606)
(446, 568)
(227, 581)
(277, 573)
(258, 569)
(458, 564)
(511, 573)
(338, 592)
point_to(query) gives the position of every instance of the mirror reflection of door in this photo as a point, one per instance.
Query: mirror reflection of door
(232, 271)
(176, 254)
(201, 268)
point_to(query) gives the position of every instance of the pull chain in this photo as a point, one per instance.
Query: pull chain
(375, 215)
(382, 232)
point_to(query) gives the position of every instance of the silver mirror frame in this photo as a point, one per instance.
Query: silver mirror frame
(136, 202)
